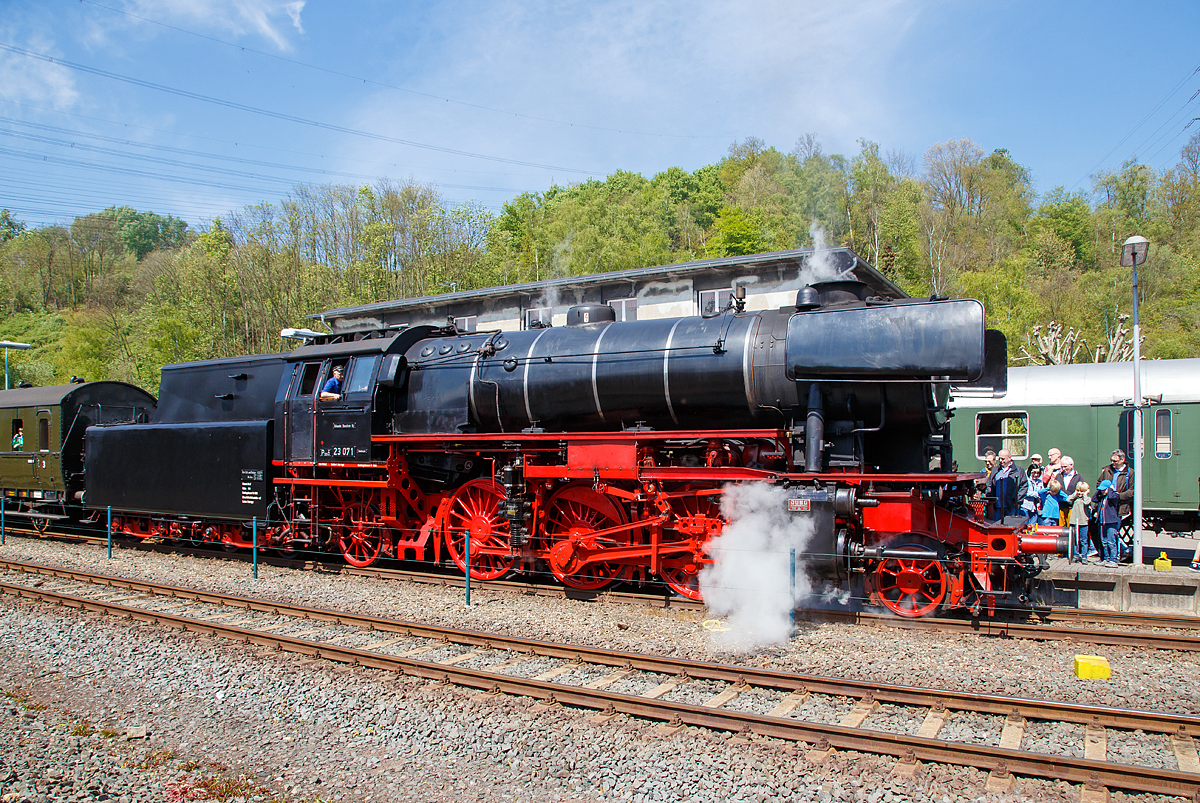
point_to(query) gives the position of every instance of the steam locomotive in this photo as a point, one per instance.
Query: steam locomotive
(597, 450)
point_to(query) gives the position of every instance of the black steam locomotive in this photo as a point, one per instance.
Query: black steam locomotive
(598, 450)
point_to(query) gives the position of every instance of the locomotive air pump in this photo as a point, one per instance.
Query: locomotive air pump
(516, 508)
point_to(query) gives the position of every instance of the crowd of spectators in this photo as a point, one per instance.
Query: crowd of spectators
(1055, 494)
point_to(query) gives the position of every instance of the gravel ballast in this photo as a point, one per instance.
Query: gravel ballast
(263, 725)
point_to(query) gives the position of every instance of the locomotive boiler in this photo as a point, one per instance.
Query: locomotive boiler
(597, 451)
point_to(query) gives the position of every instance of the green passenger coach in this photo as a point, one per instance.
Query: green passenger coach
(42, 443)
(1084, 410)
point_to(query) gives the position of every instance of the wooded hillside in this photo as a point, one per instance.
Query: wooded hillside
(118, 293)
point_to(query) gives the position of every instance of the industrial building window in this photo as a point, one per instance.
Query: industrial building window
(1162, 434)
(43, 434)
(626, 308)
(537, 318)
(713, 301)
(998, 431)
(465, 323)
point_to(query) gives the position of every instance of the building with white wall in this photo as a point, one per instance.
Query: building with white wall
(662, 291)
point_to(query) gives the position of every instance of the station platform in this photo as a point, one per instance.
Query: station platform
(1130, 588)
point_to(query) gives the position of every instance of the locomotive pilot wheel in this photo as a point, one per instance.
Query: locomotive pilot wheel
(574, 513)
(475, 508)
(912, 586)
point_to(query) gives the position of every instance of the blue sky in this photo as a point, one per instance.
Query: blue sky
(239, 100)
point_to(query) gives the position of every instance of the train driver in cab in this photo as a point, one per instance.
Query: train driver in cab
(332, 391)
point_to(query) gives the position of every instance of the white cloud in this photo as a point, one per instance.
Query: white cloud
(708, 71)
(27, 79)
(266, 18)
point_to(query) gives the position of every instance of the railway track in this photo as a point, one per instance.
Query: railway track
(1055, 624)
(672, 691)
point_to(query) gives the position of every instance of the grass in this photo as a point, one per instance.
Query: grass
(82, 728)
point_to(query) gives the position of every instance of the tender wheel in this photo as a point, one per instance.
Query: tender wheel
(40, 525)
(574, 514)
(913, 586)
(475, 507)
(360, 535)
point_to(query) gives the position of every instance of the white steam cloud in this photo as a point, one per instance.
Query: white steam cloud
(821, 266)
(750, 582)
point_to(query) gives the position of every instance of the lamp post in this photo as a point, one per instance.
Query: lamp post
(1134, 251)
(8, 344)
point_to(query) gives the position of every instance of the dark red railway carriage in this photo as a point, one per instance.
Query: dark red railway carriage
(598, 450)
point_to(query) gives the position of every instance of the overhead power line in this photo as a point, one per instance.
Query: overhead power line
(275, 149)
(176, 163)
(360, 79)
(1142, 122)
(291, 118)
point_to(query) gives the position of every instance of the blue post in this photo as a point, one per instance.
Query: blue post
(792, 596)
(254, 530)
(468, 567)
(110, 532)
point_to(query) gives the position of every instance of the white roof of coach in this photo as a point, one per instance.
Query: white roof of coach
(1093, 383)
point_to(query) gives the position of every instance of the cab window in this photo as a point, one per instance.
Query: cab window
(361, 371)
(308, 380)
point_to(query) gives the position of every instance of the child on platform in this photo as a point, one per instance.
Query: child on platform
(1078, 519)
(1051, 497)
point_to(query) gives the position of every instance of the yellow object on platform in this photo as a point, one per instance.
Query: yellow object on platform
(1092, 667)
(1162, 563)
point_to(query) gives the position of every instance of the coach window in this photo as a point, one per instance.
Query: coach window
(359, 380)
(1162, 434)
(998, 431)
(18, 435)
(43, 434)
(714, 301)
(626, 308)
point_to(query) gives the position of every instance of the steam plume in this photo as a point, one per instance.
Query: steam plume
(821, 267)
(750, 581)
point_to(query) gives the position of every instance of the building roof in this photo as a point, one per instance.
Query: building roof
(842, 260)
(1103, 383)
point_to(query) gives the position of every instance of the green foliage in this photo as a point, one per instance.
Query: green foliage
(119, 293)
(10, 227)
(737, 232)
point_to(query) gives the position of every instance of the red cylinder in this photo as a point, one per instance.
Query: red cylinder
(1045, 541)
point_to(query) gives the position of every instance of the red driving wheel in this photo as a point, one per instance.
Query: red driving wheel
(681, 572)
(574, 513)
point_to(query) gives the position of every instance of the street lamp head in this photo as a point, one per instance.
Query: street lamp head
(1135, 247)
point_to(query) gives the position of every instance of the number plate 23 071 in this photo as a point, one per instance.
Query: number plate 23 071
(799, 505)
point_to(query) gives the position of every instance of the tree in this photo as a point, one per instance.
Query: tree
(10, 227)
(736, 233)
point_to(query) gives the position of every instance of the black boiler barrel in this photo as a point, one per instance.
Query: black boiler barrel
(668, 373)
